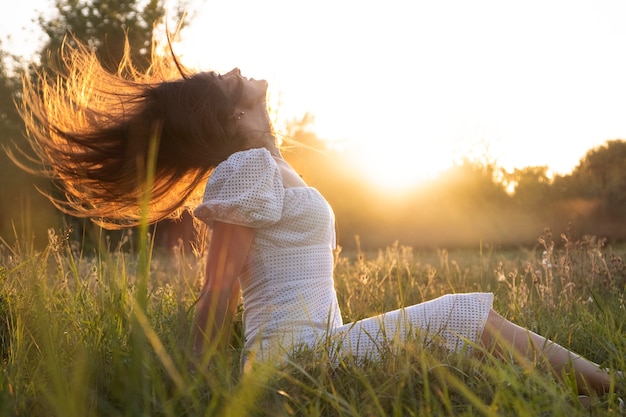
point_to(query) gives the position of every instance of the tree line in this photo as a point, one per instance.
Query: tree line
(471, 203)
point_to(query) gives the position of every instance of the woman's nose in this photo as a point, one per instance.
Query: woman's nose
(235, 71)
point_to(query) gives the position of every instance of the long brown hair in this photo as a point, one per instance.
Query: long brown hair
(92, 131)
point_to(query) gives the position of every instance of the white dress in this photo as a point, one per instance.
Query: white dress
(287, 280)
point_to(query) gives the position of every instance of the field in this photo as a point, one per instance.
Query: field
(105, 333)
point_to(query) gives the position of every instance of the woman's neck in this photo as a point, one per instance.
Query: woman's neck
(271, 145)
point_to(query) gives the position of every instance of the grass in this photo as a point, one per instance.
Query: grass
(106, 334)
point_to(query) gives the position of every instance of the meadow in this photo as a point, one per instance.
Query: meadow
(105, 333)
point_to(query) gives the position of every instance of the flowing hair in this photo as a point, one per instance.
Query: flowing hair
(96, 133)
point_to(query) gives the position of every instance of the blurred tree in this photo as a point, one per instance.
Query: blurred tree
(9, 131)
(104, 25)
(9, 85)
(601, 174)
(473, 183)
(22, 211)
(532, 186)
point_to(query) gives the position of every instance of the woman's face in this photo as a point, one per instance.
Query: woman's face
(250, 107)
(248, 93)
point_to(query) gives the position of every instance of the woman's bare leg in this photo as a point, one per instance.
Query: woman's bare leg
(504, 337)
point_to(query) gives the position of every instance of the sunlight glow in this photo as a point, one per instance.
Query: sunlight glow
(414, 86)
(435, 80)
(399, 171)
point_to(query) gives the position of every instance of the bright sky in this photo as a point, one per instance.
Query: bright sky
(415, 84)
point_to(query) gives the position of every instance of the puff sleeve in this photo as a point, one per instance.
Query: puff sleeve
(246, 189)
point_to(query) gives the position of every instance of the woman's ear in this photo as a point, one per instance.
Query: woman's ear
(237, 114)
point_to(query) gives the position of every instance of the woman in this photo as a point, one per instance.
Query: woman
(272, 236)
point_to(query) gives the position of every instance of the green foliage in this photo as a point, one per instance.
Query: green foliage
(532, 185)
(78, 339)
(105, 25)
(600, 175)
(23, 211)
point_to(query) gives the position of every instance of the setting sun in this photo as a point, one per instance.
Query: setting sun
(394, 172)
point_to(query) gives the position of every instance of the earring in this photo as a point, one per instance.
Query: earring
(238, 117)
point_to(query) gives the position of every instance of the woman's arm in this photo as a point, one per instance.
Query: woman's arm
(219, 297)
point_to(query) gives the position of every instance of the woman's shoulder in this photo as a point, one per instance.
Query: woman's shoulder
(250, 166)
(254, 156)
(249, 163)
(244, 189)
